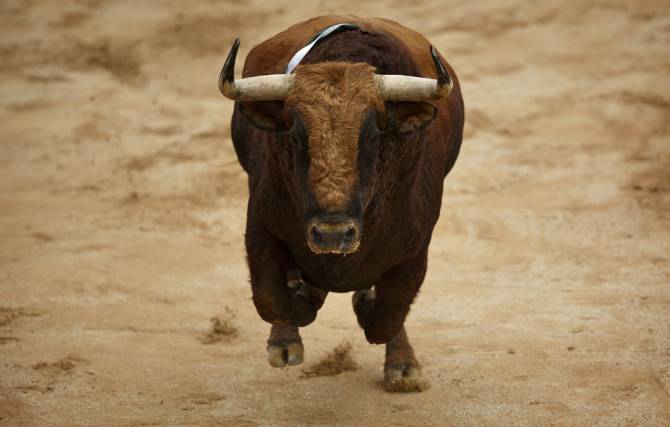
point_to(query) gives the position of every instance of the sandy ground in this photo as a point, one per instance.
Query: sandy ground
(547, 300)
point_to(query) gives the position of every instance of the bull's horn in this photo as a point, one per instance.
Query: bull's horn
(269, 87)
(410, 88)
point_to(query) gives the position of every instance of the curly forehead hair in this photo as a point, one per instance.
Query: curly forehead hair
(333, 98)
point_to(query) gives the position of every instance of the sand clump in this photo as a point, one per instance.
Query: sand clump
(223, 328)
(63, 365)
(8, 315)
(334, 363)
(405, 385)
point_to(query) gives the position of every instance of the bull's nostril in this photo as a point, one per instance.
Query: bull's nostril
(332, 237)
(316, 234)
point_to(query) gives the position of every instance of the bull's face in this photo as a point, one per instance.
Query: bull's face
(334, 108)
(335, 125)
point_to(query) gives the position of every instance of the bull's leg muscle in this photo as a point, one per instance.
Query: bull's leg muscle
(275, 301)
(381, 312)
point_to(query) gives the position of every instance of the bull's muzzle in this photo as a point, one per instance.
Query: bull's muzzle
(342, 237)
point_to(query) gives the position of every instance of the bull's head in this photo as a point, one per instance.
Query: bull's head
(336, 117)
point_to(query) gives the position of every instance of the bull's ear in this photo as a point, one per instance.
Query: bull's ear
(413, 116)
(266, 115)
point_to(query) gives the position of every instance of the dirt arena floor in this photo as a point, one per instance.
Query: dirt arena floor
(122, 207)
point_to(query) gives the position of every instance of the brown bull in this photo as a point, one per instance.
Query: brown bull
(346, 158)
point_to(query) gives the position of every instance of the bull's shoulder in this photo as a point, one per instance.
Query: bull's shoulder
(415, 43)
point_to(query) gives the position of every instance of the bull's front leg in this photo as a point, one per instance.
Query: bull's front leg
(279, 298)
(280, 295)
(381, 311)
(285, 345)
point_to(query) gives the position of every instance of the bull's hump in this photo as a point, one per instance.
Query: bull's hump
(272, 55)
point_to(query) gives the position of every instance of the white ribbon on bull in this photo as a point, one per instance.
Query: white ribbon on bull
(299, 55)
(275, 87)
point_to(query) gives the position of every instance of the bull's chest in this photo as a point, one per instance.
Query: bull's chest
(337, 273)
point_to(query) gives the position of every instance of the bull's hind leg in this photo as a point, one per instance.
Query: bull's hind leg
(285, 346)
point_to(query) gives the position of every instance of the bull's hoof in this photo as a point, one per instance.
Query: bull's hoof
(404, 378)
(288, 354)
(285, 346)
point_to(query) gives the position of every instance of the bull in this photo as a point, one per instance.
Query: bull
(346, 154)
